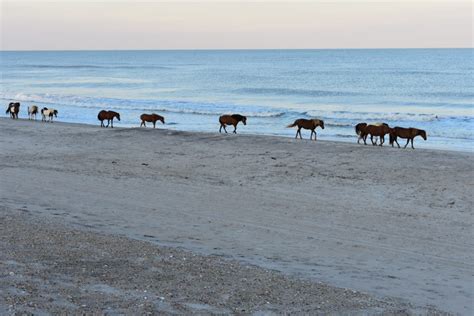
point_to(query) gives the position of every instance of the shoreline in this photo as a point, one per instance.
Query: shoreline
(394, 225)
(466, 151)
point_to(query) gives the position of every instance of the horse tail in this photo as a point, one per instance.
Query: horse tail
(7, 111)
(292, 125)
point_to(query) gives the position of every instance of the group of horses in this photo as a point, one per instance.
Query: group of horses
(363, 130)
(46, 114)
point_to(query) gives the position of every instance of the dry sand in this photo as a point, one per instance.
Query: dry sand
(395, 224)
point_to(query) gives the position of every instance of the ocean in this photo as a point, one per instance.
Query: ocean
(431, 89)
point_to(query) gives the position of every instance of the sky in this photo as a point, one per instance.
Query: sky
(224, 24)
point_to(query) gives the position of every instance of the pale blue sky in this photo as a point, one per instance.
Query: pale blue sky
(126, 24)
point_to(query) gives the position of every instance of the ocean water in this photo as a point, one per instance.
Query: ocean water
(430, 89)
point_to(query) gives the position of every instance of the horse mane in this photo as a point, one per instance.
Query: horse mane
(237, 117)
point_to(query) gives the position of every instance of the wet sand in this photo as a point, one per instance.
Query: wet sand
(395, 224)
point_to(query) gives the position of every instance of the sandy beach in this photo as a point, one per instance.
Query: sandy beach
(91, 218)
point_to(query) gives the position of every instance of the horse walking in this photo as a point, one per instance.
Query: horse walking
(32, 111)
(13, 108)
(109, 116)
(307, 124)
(375, 130)
(233, 119)
(48, 113)
(408, 133)
(151, 118)
(358, 129)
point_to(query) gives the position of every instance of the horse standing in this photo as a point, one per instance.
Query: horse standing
(375, 130)
(13, 108)
(307, 124)
(109, 116)
(151, 118)
(32, 111)
(233, 119)
(48, 113)
(408, 133)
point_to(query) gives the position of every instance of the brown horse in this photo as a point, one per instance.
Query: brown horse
(109, 116)
(13, 109)
(32, 111)
(408, 133)
(359, 128)
(307, 124)
(151, 118)
(375, 130)
(233, 119)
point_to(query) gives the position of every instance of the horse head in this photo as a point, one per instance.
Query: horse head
(244, 120)
(422, 133)
(117, 115)
(55, 112)
(321, 123)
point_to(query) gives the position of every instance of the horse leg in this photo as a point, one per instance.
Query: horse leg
(382, 140)
(142, 123)
(235, 129)
(408, 140)
(397, 143)
(154, 124)
(372, 140)
(112, 123)
(412, 143)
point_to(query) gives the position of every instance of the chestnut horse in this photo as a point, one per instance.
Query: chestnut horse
(109, 116)
(48, 113)
(13, 109)
(233, 119)
(307, 124)
(375, 130)
(408, 133)
(151, 118)
(32, 111)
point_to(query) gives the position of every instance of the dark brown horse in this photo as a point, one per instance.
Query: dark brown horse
(408, 133)
(233, 119)
(151, 118)
(109, 116)
(359, 128)
(375, 130)
(307, 124)
(13, 109)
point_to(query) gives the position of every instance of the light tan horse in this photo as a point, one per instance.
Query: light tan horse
(151, 118)
(32, 111)
(408, 133)
(109, 116)
(233, 120)
(48, 113)
(307, 124)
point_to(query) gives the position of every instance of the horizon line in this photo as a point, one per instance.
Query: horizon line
(222, 49)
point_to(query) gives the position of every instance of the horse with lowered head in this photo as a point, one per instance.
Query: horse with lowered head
(109, 116)
(307, 124)
(48, 113)
(233, 119)
(408, 133)
(32, 111)
(13, 108)
(151, 118)
(358, 129)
